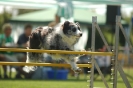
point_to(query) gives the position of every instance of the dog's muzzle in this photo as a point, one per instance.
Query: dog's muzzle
(80, 34)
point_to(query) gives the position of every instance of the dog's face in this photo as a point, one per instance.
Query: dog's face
(72, 29)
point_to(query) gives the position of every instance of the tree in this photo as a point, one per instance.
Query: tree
(4, 18)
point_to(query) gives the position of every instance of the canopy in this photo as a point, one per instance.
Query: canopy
(48, 15)
(53, 3)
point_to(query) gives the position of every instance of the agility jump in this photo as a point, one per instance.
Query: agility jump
(115, 64)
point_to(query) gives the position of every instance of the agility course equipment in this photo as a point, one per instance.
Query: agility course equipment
(43, 64)
(114, 53)
(116, 66)
(94, 27)
(56, 51)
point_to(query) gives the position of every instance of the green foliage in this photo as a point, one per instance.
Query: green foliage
(4, 18)
(127, 19)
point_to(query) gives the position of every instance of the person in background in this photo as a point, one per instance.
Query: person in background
(104, 62)
(55, 22)
(23, 38)
(7, 41)
(2, 58)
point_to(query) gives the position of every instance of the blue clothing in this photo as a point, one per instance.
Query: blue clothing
(22, 39)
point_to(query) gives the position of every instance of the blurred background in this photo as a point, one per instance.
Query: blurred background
(18, 18)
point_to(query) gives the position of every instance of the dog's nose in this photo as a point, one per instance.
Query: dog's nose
(80, 34)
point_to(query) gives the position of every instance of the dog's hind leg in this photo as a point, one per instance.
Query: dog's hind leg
(74, 66)
(30, 60)
(33, 58)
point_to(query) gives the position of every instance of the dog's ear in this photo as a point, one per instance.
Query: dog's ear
(66, 23)
(65, 27)
(77, 24)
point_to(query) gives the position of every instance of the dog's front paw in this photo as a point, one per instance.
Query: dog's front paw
(83, 51)
(78, 70)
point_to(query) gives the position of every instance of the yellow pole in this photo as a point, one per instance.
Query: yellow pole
(42, 64)
(57, 51)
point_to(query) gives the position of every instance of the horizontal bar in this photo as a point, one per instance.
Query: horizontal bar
(56, 51)
(43, 64)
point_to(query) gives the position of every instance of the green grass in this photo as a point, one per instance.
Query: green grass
(72, 82)
(53, 84)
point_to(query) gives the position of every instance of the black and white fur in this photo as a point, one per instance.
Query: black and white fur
(63, 37)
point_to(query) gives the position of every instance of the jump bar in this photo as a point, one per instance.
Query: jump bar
(57, 51)
(43, 64)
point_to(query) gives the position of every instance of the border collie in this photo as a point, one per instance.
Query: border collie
(63, 37)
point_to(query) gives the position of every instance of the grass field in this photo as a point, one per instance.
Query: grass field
(70, 83)
(55, 84)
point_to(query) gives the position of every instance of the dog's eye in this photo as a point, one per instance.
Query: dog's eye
(74, 29)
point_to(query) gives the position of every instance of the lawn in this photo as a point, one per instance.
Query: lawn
(70, 83)
(54, 84)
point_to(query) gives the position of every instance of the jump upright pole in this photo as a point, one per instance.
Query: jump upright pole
(93, 50)
(117, 66)
(116, 52)
(93, 61)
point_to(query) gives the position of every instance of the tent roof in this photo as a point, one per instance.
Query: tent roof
(81, 15)
(41, 4)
